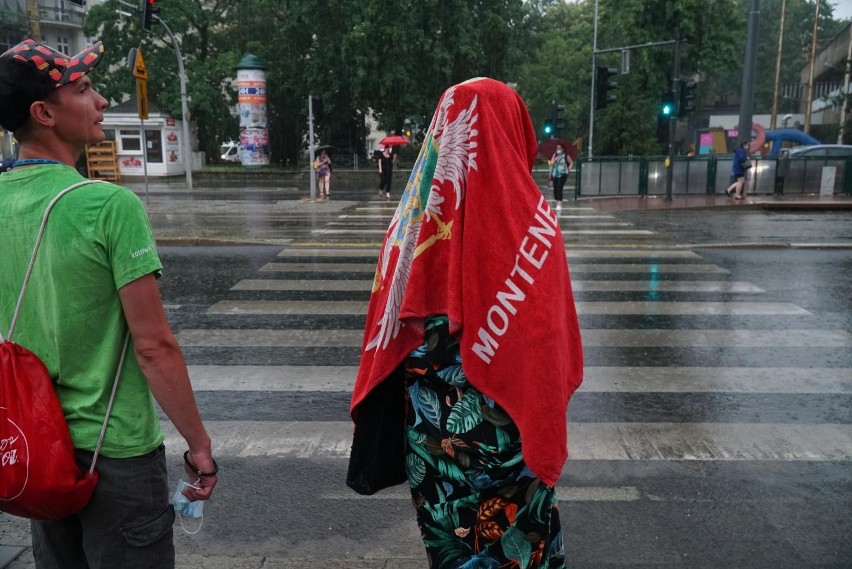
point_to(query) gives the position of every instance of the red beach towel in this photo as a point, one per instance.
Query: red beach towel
(473, 238)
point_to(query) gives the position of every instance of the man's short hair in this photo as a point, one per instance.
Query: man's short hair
(32, 70)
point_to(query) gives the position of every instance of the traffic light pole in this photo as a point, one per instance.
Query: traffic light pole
(594, 87)
(672, 122)
(594, 82)
(311, 144)
(184, 107)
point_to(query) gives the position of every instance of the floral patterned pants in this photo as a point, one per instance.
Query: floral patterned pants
(478, 505)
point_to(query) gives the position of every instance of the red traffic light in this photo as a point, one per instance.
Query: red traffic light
(148, 12)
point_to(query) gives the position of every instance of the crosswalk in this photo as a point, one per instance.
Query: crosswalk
(685, 364)
(611, 283)
(668, 378)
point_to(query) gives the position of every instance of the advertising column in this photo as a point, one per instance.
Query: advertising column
(251, 105)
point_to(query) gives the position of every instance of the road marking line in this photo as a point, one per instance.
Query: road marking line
(644, 285)
(565, 232)
(348, 307)
(598, 379)
(655, 269)
(587, 441)
(563, 493)
(638, 379)
(592, 337)
(372, 252)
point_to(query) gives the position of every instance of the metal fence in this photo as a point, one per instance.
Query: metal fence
(646, 175)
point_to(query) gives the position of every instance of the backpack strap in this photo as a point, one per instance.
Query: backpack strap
(21, 301)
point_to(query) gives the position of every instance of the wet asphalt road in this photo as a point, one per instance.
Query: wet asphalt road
(714, 428)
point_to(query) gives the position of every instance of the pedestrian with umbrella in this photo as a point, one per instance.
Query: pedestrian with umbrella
(323, 168)
(385, 172)
(386, 162)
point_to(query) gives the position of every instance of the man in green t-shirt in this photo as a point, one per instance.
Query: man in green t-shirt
(94, 279)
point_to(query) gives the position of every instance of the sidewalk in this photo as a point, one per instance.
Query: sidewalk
(768, 202)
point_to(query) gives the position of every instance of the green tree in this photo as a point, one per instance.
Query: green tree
(209, 63)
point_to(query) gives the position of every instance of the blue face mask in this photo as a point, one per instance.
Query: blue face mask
(184, 507)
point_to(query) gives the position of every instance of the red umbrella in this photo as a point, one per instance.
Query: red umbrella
(548, 148)
(393, 140)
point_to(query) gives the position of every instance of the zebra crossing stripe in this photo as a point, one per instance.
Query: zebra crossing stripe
(591, 337)
(362, 231)
(598, 379)
(364, 285)
(657, 269)
(370, 252)
(358, 308)
(564, 493)
(320, 267)
(586, 441)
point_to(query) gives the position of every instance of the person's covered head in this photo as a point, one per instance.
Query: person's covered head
(32, 71)
(474, 238)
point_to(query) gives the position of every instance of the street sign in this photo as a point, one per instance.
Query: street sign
(142, 98)
(139, 70)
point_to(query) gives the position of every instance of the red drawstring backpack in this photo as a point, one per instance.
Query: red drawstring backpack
(39, 476)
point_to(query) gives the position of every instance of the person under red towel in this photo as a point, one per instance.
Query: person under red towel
(472, 312)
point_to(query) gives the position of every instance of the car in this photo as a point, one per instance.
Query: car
(818, 151)
(230, 151)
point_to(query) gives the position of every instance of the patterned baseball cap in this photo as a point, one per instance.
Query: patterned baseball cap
(31, 70)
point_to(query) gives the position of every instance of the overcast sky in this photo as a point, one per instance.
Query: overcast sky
(842, 9)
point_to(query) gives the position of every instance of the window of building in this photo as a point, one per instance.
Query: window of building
(130, 141)
(63, 45)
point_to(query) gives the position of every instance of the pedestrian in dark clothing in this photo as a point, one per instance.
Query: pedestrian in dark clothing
(739, 169)
(385, 172)
(560, 165)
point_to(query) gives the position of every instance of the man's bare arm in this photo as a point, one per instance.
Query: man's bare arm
(161, 360)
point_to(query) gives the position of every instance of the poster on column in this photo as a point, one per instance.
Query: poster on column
(251, 98)
(255, 147)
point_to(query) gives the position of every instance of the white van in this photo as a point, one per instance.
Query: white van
(230, 151)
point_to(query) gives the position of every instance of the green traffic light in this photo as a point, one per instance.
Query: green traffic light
(667, 110)
(548, 129)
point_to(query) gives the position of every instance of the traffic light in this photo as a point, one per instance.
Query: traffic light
(317, 108)
(603, 85)
(559, 123)
(668, 108)
(548, 126)
(148, 11)
(686, 97)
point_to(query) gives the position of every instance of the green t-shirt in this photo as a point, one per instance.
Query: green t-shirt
(98, 239)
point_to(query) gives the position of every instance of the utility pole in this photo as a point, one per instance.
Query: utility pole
(184, 107)
(774, 117)
(810, 99)
(673, 120)
(593, 91)
(311, 143)
(34, 20)
(844, 96)
(747, 96)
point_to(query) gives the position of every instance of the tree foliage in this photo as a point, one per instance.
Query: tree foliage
(394, 59)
